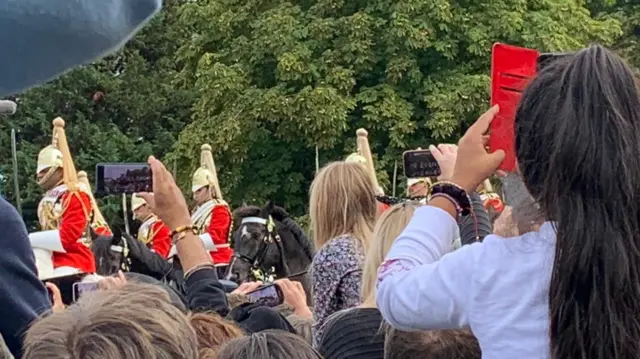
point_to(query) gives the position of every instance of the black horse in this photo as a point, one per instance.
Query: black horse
(267, 242)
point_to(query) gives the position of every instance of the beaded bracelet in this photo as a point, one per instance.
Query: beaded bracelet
(453, 193)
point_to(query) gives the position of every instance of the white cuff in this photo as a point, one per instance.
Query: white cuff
(49, 240)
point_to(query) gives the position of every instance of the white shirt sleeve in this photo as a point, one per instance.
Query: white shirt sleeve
(422, 285)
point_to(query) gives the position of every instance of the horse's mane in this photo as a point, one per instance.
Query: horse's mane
(101, 246)
(282, 216)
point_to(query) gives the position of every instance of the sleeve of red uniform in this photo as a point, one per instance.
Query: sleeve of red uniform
(74, 222)
(162, 240)
(219, 224)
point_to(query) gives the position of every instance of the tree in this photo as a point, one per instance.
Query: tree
(277, 78)
(139, 114)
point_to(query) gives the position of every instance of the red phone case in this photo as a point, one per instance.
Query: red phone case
(512, 68)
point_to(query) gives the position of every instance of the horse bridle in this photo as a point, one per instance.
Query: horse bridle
(272, 237)
(125, 261)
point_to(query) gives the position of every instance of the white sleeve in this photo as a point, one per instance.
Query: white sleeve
(422, 285)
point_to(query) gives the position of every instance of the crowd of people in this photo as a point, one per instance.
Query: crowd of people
(438, 275)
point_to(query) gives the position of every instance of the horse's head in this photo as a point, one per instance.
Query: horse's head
(110, 254)
(256, 242)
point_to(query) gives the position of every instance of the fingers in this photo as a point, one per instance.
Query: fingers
(496, 158)
(481, 126)
(437, 154)
(55, 291)
(122, 278)
(446, 148)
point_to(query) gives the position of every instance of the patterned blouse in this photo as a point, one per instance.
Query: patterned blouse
(337, 274)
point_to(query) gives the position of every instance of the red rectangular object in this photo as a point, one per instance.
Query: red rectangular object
(512, 68)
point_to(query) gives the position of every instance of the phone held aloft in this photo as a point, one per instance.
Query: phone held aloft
(80, 289)
(119, 178)
(269, 295)
(420, 164)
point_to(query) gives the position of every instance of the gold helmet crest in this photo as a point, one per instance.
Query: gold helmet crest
(363, 156)
(57, 155)
(206, 175)
(85, 186)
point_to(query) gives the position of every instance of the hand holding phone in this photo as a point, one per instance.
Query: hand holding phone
(420, 164)
(269, 295)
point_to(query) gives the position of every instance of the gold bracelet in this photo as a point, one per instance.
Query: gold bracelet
(181, 233)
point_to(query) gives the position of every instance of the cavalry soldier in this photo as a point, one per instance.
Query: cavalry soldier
(418, 187)
(62, 247)
(98, 223)
(212, 215)
(364, 157)
(152, 232)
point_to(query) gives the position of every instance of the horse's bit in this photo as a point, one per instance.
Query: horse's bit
(272, 237)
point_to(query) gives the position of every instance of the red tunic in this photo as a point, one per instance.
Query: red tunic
(73, 226)
(160, 238)
(220, 231)
(382, 207)
(103, 231)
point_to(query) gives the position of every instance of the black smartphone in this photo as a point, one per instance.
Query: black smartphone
(420, 164)
(269, 295)
(119, 178)
(80, 289)
(546, 59)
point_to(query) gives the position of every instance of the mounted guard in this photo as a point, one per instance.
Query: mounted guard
(212, 216)
(62, 246)
(363, 156)
(152, 232)
(98, 223)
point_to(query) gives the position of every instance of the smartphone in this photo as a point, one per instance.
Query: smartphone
(512, 68)
(548, 58)
(119, 178)
(65, 284)
(80, 289)
(269, 295)
(420, 164)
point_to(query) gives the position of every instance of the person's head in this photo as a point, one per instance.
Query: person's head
(140, 208)
(342, 202)
(433, 344)
(302, 326)
(213, 331)
(577, 136)
(417, 187)
(128, 322)
(202, 195)
(389, 226)
(268, 344)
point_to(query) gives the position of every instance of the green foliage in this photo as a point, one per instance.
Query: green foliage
(266, 82)
(277, 78)
(141, 113)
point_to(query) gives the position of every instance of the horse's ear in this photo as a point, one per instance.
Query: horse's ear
(244, 203)
(266, 210)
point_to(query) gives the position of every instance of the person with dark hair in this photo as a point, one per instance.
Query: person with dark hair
(570, 289)
(268, 344)
(433, 344)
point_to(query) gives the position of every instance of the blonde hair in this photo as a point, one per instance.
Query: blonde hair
(213, 331)
(134, 321)
(342, 202)
(390, 225)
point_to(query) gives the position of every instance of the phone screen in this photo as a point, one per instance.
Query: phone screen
(119, 178)
(269, 296)
(511, 70)
(420, 164)
(80, 289)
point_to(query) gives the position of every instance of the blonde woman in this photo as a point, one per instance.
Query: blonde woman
(356, 333)
(343, 212)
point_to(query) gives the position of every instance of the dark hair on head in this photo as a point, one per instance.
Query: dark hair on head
(577, 135)
(432, 344)
(268, 344)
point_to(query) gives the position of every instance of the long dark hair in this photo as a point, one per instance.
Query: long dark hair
(578, 149)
